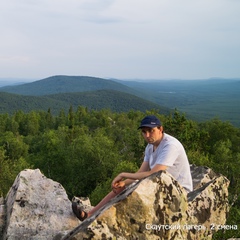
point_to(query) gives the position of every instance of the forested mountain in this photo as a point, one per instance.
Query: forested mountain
(66, 84)
(10, 103)
(201, 100)
(109, 99)
(102, 99)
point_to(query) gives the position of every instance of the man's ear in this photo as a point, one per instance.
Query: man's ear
(161, 128)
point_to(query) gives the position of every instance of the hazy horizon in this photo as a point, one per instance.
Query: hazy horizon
(17, 81)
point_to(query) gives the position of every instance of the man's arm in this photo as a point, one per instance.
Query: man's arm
(141, 173)
(144, 167)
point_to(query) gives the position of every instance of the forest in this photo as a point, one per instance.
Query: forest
(84, 149)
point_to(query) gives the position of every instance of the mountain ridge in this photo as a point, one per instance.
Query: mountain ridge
(96, 100)
(64, 84)
(200, 100)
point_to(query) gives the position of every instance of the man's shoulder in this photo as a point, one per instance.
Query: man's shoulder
(167, 137)
(170, 140)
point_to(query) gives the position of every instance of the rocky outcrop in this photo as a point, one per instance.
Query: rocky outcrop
(37, 208)
(154, 208)
(159, 208)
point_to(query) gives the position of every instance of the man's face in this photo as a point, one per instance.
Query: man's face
(152, 135)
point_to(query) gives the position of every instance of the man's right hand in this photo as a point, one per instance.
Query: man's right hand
(117, 187)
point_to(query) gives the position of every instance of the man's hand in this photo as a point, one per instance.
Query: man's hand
(117, 179)
(117, 183)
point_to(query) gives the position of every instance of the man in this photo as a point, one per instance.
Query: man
(163, 152)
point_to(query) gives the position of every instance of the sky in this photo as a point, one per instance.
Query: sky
(124, 39)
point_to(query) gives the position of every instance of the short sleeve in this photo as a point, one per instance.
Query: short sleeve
(167, 155)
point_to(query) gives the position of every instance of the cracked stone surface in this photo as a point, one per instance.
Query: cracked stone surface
(37, 208)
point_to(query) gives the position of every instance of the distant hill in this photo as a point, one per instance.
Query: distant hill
(65, 84)
(201, 100)
(111, 99)
(108, 99)
(13, 81)
(10, 103)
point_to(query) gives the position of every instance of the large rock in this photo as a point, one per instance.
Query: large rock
(154, 208)
(159, 208)
(37, 208)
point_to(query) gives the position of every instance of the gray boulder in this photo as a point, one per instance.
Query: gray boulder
(36, 208)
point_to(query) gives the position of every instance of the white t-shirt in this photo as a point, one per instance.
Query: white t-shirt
(170, 152)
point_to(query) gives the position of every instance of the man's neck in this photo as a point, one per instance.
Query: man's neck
(156, 144)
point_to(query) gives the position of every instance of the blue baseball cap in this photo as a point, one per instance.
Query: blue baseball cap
(150, 121)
